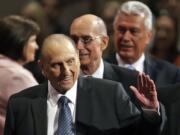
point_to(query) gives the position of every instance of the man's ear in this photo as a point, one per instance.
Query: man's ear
(40, 63)
(105, 42)
(149, 37)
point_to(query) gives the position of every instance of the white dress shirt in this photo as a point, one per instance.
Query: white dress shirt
(138, 65)
(53, 109)
(98, 73)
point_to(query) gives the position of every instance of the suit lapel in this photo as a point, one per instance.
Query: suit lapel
(83, 110)
(112, 59)
(110, 74)
(149, 67)
(108, 71)
(39, 110)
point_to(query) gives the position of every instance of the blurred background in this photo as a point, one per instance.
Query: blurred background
(55, 16)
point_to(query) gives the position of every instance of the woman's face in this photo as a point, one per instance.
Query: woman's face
(30, 48)
(165, 32)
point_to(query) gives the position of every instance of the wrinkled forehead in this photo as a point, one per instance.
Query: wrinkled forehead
(52, 49)
(87, 25)
(83, 29)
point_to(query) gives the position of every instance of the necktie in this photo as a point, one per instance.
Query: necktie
(65, 123)
(130, 67)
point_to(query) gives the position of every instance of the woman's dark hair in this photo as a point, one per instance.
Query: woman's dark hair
(15, 31)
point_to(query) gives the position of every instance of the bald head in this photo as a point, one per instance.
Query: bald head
(90, 21)
(90, 35)
(57, 43)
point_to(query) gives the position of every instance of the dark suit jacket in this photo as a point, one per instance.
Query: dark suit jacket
(170, 97)
(125, 76)
(160, 71)
(103, 108)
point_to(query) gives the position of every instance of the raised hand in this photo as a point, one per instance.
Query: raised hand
(146, 92)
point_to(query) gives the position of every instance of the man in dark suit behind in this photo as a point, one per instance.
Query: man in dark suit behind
(97, 106)
(133, 31)
(170, 97)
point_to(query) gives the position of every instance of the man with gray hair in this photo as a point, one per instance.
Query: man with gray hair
(133, 32)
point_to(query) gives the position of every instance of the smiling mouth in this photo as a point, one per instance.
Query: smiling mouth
(126, 46)
(67, 78)
(83, 55)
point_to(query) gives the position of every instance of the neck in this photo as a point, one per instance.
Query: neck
(89, 69)
(128, 60)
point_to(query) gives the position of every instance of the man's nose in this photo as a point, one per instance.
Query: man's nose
(127, 35)
(65, 68)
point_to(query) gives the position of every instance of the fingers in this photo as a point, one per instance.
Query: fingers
(145, 81)
(142, 82)
(142, 100)
(135, 91)
(146, 91)
(151, 86)
(146, 86)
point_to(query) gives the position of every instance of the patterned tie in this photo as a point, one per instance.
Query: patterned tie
(65, 123)
(130, 67)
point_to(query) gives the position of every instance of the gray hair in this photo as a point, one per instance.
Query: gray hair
(137, 8)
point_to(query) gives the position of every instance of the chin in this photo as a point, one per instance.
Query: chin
(65, 89)
(84, 62)
(66, 86)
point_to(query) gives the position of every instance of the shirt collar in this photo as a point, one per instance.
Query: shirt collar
(53, 95)
(138, 65)
(99, 72)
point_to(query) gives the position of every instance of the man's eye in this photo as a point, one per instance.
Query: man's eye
(135, 31)
(122, 30)
(70, 62)
(55, 65)
(86, 39)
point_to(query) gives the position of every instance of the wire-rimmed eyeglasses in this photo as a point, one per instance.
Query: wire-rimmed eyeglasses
(84, 39)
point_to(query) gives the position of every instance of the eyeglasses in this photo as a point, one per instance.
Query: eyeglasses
(84, 39)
